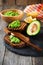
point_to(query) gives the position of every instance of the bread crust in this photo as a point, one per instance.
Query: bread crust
(19, 45)
(22, 27)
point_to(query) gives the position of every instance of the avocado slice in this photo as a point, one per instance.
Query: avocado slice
(33, 28)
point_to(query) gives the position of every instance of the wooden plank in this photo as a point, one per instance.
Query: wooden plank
(10, 58)
(10, 2)
(42, 1)
(33, 1)
(26, 2)
(14, 59)
(0, 2)
(2, 50)
(25, 60)
(21, 2)
(37, 60)
(2, 47)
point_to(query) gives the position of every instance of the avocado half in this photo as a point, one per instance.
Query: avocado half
(33, 28)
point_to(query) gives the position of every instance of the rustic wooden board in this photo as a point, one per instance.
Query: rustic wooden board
(33, 1)
(10, 2)
(37, 60)
(26, 2)
(41, 1)
(13, 59)
(2, 47)
(21, 2)
(0, 2)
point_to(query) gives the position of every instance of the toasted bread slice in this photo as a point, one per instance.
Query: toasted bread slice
(17, 45)
(22, 27)
(24, 39)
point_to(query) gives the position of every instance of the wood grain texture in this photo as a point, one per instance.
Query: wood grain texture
(21, 2)
(25, 60)
(37, 60)
(1, 2)
(33, 1)
(10, 58)
(14, 59)
(41, 1)
(2, 47)
(26, 2)
(10, 2)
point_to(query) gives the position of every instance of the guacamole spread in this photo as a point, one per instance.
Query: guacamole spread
(14, 24)
(14, 39)
(11, 13)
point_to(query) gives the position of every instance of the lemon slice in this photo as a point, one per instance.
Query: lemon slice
(28, 19)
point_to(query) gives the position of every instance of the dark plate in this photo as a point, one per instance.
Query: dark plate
(29, 51)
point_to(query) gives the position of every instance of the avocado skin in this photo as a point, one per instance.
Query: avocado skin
(30, 25)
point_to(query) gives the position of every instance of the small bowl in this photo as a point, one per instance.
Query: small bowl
(11, 18)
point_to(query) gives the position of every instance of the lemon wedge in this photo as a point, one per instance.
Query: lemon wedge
(29, 19)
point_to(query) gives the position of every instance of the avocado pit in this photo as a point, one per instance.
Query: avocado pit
(33, 28)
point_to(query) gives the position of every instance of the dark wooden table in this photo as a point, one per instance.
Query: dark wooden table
(9, 58)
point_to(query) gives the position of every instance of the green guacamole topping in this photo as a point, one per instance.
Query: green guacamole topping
(14, 39)
(14, 24)
(11, 13)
